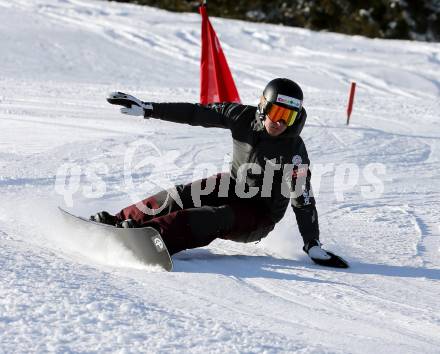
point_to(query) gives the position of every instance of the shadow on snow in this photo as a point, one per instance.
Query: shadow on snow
(242, 266)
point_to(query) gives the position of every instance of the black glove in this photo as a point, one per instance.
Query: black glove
(132, 105)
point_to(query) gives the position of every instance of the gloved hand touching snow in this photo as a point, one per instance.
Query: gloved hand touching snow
(322, 257)
(131, 105)
(315, 251)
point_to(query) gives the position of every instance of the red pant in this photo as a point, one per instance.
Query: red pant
(192, 225)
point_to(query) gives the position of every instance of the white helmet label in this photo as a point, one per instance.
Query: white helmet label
(289, 101)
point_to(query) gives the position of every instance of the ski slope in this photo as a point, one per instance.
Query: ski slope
(62, 144)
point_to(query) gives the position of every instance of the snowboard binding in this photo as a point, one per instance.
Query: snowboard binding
(104, 217)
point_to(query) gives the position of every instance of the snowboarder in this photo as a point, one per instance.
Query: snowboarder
(244, 205)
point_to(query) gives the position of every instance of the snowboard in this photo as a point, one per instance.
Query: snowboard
(145, 242)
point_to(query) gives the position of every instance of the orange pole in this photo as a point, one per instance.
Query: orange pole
(350, 101)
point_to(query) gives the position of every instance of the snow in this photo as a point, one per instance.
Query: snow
(65, 291)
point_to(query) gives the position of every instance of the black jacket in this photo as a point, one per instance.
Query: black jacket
(285, 155)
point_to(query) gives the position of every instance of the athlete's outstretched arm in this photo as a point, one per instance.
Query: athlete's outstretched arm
(302, 200)
(220, 115)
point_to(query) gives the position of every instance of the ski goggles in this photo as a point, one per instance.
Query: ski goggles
(277, 113)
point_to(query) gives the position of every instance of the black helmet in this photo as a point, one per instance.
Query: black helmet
(288, 94)
(279, 91)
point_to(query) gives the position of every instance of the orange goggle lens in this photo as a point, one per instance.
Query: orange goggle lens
(277, 113)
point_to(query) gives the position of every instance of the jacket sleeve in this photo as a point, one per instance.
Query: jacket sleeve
(218, 115)
(302, 199)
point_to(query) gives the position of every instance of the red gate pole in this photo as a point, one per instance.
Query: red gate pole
(350, 101)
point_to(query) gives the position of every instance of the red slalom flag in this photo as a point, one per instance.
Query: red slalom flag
(350, 101)
(216, 82)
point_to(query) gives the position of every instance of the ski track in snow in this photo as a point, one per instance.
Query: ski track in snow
(64, 291)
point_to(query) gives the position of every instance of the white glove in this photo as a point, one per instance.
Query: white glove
(132, 105)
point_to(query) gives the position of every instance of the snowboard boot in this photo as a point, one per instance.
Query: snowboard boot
(128, 224)
(314, 250)
(104, 217)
